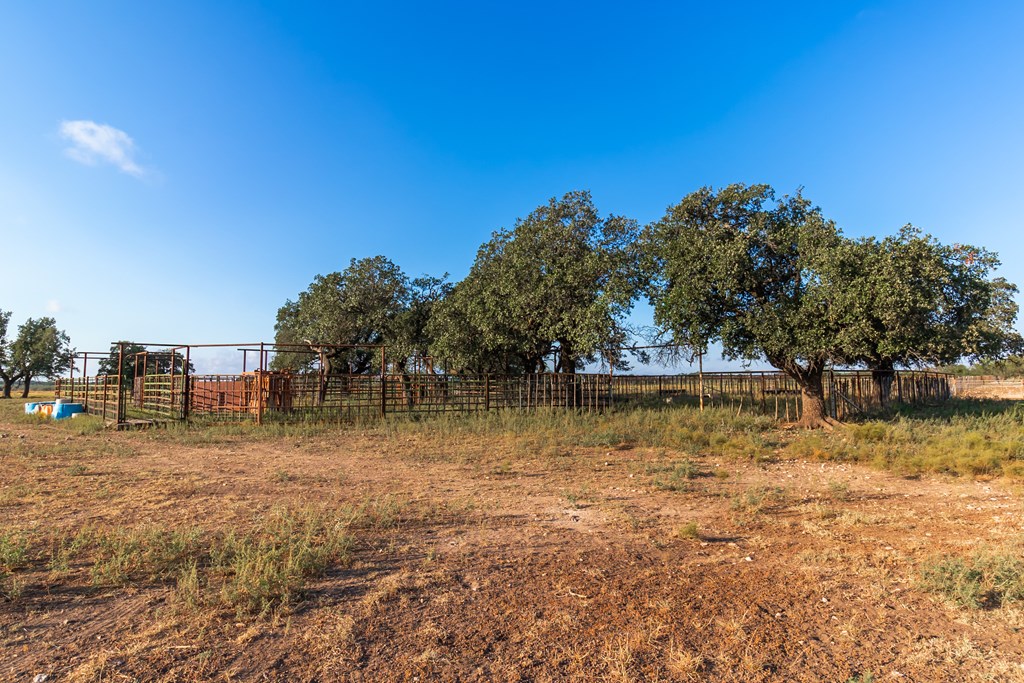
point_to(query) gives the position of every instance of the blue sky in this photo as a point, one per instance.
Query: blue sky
(175, 171)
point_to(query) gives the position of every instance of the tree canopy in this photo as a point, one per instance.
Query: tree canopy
(742, 268)
(371, 302)
(9, 372)
(772, 278)
(912, 301)
(559, 283)
(765, 277)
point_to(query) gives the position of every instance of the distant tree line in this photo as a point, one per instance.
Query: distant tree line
(765, 277)
(37, 349)
(1005, 368)
(136, 359)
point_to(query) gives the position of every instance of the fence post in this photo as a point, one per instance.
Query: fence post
(383, 383)
(120, 382)
(170, 399)
(764, 407)
(700, 379)
(186, 396)
(259, 388)
(85, 376)
(145, 370)
(487, 391)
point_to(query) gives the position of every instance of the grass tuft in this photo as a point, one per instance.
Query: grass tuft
(984, 581)
(688, 530)
(259, 570)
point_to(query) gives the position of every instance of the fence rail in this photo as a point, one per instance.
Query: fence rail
(269, 395)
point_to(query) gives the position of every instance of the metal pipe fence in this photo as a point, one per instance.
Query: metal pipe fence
(282, 396)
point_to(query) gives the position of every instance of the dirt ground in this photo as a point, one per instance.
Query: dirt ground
(510, 564)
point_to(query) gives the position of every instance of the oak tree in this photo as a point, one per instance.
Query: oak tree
(912, 301)
(559, 283)
(742, 268)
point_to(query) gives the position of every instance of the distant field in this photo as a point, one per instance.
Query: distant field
(656, 544)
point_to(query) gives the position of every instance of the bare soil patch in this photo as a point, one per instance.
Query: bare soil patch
(502, 563)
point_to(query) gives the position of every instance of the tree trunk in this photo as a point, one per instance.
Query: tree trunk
(8, 383)
(812, 399)
(25, 389)
(882, 376)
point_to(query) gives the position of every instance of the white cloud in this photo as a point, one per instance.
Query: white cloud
(93, 142)
(53, 306)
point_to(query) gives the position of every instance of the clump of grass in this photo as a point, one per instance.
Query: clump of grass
(688, 530)
(259, 570)
(77, 470)
(961, 438)
(83, 424)
(283, 476)
(382, 512)
(678, 478)
(502, 468)
(866, 677)
(984, 581)
(838, 490)
(13, 550)
(144, 554)
(576, 497)
(268, 567)
(758, 499)
(66, 547)
(13, 556)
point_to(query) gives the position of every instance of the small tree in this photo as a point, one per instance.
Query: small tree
(40, 350)
(9, 371)
(739, 267)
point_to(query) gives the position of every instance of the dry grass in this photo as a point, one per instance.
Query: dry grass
(544, 547)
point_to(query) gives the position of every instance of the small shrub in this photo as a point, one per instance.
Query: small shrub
(870, 432)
